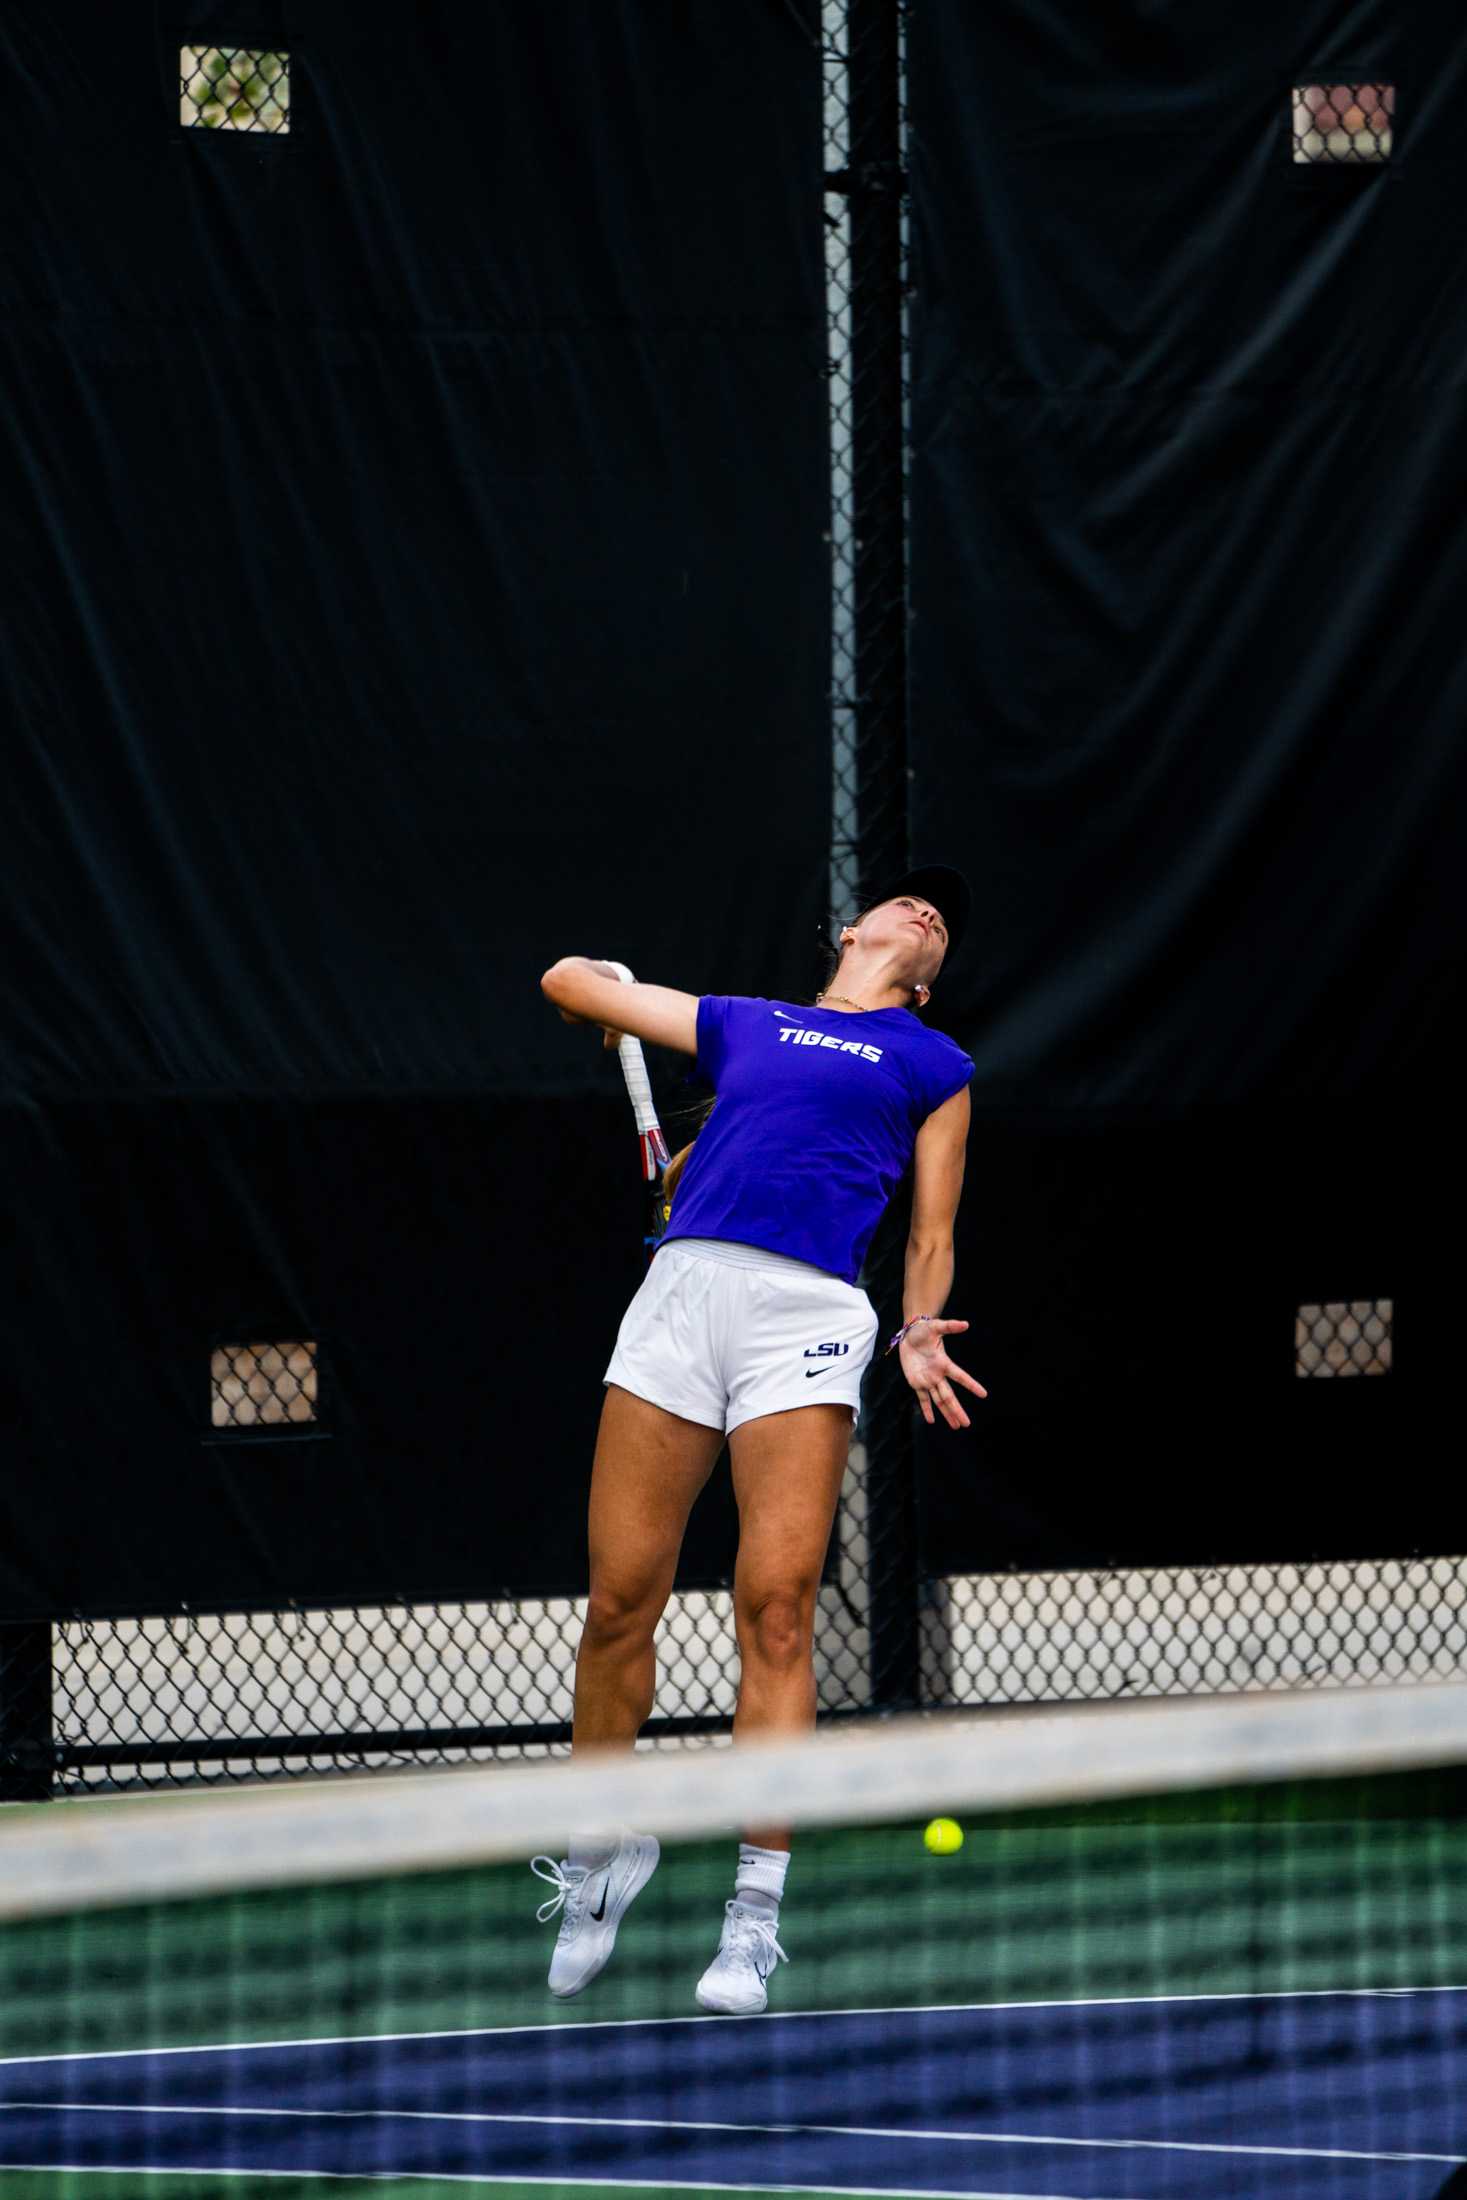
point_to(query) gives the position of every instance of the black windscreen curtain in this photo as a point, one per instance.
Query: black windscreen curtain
(1189, 538)
(1188, 560)
(413, 526)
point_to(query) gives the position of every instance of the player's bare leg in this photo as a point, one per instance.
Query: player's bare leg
(649, 1467)
(787, 1470)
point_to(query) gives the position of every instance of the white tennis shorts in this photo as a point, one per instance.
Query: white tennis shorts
(720, 1333)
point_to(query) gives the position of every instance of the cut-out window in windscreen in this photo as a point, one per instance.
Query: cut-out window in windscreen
(1343, 1337)
(261, 1387)
(1352, 123)
(234, 88)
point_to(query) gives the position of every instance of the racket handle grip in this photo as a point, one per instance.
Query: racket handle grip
(639, 1089)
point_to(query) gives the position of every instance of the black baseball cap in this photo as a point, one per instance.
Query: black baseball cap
(946, 889)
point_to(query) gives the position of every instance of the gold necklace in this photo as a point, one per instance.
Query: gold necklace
(821, 998)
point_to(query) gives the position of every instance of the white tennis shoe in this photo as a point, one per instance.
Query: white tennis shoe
(592, 1905)
(736, 1982)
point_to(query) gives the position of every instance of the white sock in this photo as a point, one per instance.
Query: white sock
(591, 1852)
(759, 1882)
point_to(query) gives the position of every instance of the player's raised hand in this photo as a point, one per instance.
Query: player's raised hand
(932, 1374)
(612, 1037)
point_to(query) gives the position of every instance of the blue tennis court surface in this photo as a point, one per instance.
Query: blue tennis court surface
(1361, 2095)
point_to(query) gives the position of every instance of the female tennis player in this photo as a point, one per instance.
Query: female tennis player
(750, 1328)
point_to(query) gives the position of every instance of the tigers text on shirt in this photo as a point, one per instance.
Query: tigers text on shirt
(802, 1037)
(813, 1126)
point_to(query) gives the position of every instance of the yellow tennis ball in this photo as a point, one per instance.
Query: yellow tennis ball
(943, 1836)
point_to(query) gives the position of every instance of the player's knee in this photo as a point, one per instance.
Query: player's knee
(775, 1626)
(619, 1617)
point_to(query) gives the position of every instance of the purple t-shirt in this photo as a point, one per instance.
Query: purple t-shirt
(816, 1116)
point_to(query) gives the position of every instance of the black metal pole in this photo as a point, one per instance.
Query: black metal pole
(876, 185)
(875, 181)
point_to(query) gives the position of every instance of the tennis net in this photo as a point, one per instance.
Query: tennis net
(1216, 1948)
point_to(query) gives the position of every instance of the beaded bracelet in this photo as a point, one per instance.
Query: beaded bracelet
(896, 1340)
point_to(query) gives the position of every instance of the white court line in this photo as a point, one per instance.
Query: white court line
(768, 2016)
(753, 2130)
(588, 2184)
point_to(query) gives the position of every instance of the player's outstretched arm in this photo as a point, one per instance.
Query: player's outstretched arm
(937, 1186)
(592, 993)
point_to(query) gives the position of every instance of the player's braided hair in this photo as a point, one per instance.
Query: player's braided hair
(697, 1117)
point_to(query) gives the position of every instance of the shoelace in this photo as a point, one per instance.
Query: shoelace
(568, 1880)
(752, 1936)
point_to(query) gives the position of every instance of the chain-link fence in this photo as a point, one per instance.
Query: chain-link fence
(1343, 1338)
(234, 88)
(258, 1695)
(252, 1696)
(1344, 123)
(221, 1697)
(991, 1639)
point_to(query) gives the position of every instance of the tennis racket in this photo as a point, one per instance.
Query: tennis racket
(649, 1131)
